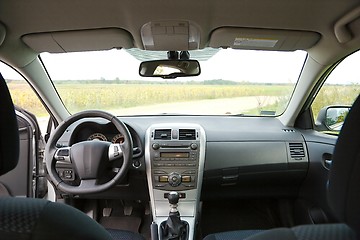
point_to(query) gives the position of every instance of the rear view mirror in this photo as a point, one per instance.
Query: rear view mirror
(169, 68)
(331, 118)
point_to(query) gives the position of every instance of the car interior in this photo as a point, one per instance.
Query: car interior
(166, 120)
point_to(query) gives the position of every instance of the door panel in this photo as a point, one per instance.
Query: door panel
(25, 180)
(312, 204)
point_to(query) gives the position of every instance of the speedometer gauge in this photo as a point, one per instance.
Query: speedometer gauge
(97, 136)
(118, 138)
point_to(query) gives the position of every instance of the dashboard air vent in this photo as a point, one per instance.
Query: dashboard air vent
(288, 130)
(163, 134)
(187, 134)
(297, 150)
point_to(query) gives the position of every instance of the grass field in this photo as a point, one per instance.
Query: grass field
(113, 96)
(335, 95)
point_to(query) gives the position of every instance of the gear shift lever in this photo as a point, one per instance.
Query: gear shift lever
(173, 199)
(174, 228)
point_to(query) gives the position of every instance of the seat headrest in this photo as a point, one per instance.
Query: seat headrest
(344, 179)
(9, 133)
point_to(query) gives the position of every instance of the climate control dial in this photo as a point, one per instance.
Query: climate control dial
(174, 179)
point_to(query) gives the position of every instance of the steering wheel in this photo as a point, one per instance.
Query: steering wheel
(88, 157)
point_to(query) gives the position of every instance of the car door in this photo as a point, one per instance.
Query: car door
(30, 168)
(320, 123)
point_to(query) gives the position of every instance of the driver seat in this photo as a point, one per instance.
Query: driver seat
(28, 218)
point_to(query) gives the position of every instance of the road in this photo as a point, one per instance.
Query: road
(201, 107)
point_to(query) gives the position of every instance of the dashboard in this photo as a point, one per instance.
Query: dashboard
(202, 158)
(243, 156)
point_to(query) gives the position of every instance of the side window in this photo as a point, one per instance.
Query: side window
(24, 96)
(336, 96)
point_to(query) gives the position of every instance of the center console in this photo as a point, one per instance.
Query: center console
(174, 155)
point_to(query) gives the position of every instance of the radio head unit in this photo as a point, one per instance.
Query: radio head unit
(174, 157)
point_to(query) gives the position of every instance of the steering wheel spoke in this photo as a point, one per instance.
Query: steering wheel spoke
(115, 151)
(87, 183)
(63, 154)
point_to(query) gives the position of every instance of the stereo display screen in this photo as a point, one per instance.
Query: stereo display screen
(174, 155)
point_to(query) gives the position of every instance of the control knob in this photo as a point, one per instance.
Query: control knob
(193, 146)
(174, 179)
(155, 146)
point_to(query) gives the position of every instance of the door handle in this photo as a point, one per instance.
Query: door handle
(327, 160)
(327, 163)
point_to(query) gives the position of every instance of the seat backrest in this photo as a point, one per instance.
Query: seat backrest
(344, 179)
(9, 137)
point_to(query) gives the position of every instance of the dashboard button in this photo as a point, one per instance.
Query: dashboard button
(159, 164)
(63, 152)
(136, 164)
(163, 178)
(186, 178)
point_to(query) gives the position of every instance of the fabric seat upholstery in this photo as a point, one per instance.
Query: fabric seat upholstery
(25, 218)
(305, 232)
(22, 218)
(343, 194)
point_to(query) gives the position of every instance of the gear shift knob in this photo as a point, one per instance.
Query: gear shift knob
(173, 198)
(174, 228)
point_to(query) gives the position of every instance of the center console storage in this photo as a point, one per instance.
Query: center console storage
(174, 155)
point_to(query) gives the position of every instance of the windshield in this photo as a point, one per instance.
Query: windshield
(232, 82)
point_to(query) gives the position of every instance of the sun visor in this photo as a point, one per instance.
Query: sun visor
(80, 40)
(262, 39)
(2, 33)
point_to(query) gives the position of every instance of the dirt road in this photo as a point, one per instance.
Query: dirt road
(202, 107)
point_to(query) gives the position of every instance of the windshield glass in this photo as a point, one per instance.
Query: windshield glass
(232, 82)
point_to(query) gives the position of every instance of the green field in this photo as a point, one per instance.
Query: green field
(112, 96)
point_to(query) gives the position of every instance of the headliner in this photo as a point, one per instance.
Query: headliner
(27, 17)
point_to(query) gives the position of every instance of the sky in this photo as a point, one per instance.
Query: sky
(347, 72)
(234, 65)
(227, 64)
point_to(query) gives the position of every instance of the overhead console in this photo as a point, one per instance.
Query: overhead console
(174, 157)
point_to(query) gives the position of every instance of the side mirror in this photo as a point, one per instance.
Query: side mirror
(169, 68)
(331, 118)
